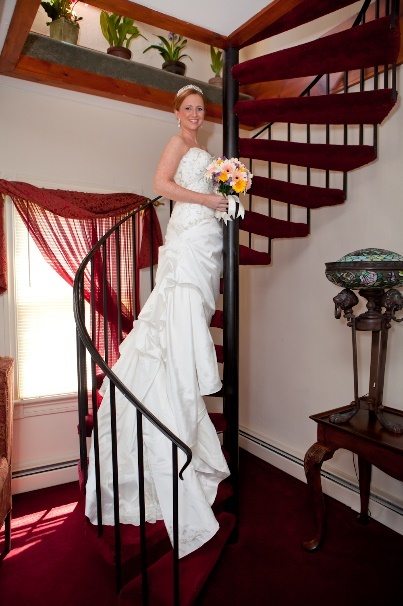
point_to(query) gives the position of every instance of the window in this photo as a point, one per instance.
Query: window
(45, 327)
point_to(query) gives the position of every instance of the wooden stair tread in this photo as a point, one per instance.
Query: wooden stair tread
(249, 256)
(326, 55)
(219, 421)
(307, 196)
(366, 107)
(314, 155)
(219, 350)
(269, 227)
(217, 321)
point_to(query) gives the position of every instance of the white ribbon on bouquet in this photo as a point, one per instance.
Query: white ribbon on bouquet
(232, 212)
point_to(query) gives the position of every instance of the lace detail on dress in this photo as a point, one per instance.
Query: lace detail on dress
(191, 538)
(190, 174)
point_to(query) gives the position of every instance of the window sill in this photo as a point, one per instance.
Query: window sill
(34, 407)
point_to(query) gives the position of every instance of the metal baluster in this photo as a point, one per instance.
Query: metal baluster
(394, 23)
(386, 76)
(95, 404)
(115, 476)
(175, 527)
(269, 200)
(82, 388)
(150, 210)
(386, 66)
(345, 136)
(288, 172)
(327, 174)
(250, 200)
(376, 84)
(362, 88)
(105, 300)
(143, 538)
(118, 285)
(134, 222)
(308, 170)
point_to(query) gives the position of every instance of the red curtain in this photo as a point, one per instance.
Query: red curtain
(66, 225)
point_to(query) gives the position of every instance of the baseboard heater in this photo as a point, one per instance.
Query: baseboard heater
(329, 476)
(44, 469)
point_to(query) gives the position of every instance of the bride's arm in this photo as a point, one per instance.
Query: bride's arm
(164, 184)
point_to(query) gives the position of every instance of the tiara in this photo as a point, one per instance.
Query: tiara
(188, 87)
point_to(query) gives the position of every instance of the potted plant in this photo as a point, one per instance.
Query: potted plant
(119, 32)
(63, 24)
(216, 65)
(170, 50)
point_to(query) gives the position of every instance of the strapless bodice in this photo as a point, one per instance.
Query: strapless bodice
(191, 175)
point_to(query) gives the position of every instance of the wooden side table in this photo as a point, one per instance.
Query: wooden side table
(363, 435)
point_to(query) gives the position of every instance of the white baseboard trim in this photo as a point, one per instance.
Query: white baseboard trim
(43, 477)
(382, 509)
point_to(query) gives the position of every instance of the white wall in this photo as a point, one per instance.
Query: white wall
(296, 358)
(56, 138)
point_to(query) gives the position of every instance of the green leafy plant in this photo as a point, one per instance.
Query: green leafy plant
(217, 60)
(117, 30)
(55, 9)
(170, 48)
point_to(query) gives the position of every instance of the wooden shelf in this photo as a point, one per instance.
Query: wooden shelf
(60, 64)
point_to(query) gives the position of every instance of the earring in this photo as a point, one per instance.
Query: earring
(179, 122)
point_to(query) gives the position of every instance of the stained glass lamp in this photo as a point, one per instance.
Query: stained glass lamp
(376, 274)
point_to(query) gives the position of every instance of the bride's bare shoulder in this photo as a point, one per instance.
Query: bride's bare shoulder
(176, 146)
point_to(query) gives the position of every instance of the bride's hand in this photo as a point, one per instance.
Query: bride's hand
(217, 202)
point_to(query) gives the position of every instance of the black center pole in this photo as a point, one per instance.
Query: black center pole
(231, 282)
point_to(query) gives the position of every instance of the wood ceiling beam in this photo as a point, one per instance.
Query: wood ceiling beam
(281, 16)
(165, 22)
(20, 25)
(262, 20)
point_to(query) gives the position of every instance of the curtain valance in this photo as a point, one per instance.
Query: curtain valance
(79, 206)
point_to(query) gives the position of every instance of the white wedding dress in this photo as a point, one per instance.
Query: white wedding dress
(168, 361)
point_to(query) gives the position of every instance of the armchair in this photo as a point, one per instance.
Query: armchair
(6, 434)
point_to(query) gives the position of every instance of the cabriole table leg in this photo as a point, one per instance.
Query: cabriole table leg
(314, 458)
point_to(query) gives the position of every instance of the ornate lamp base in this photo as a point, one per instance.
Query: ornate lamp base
(374, 273)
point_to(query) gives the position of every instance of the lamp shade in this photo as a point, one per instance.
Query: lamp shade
(367, 268)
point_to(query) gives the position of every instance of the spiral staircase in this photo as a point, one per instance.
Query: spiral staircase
(353, 93)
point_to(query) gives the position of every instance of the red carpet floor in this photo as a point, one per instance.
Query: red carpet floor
(52, 564)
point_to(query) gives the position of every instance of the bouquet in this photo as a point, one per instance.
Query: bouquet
(230, 177)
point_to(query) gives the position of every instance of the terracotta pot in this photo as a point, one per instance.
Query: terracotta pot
(175, 67)
(120, 51)
(64, 30)
(216, 81)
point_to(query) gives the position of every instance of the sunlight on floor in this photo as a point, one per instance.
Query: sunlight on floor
(31, 529)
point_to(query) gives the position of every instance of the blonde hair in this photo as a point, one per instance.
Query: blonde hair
(185, 91)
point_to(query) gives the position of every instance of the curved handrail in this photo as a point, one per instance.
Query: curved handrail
(94, 353)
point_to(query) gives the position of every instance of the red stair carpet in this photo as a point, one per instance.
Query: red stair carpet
(326, 55)
(52, 564)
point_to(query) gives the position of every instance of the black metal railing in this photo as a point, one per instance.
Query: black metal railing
(379, 9)
(98, 362)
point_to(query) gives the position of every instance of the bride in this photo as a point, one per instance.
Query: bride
(168, 360)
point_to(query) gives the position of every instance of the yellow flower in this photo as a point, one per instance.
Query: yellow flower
(224, 176)
(239, 186)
